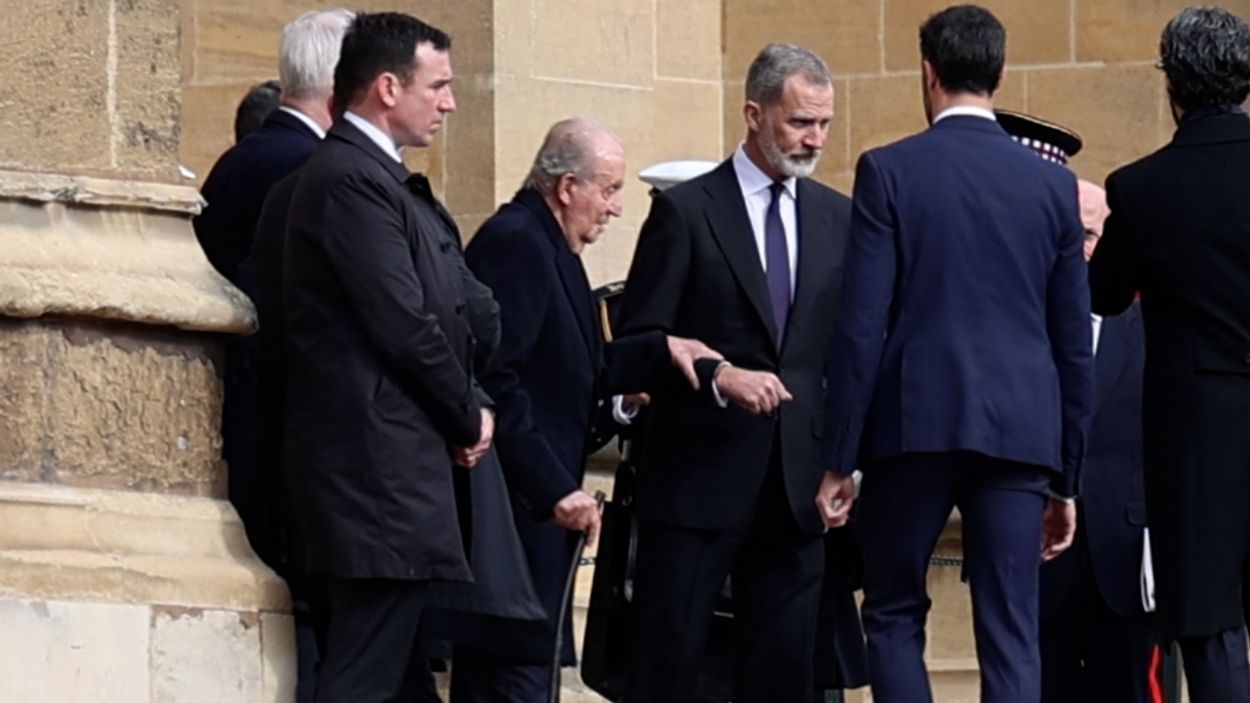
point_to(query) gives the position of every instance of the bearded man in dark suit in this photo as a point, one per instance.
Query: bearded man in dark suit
(747, 259)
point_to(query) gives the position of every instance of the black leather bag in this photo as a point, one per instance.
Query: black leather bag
(605, 649)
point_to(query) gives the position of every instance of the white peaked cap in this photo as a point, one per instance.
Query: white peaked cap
(667, 174)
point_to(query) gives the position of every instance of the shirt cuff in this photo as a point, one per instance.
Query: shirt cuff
(720, 399)
(623, 415)
(1070, 500)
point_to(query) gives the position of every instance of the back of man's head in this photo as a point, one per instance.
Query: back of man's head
(377, 43)
(1205, 52)
(309, 52)
(261, 100)
(967, 47)
(571, 147)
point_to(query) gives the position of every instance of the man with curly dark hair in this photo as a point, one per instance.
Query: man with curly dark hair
(1179, 235)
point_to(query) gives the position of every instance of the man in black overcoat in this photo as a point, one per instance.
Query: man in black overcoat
(551, 368)
(380, 400)
(1179, 235)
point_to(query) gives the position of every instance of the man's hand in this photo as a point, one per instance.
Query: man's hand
(1058, 528)
(684, 352)
(834, 499)
(757, 392)
(578, 511)
(635, 400)
(469, 456)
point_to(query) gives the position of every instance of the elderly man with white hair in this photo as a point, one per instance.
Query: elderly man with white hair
(551, 367)
(236, 189)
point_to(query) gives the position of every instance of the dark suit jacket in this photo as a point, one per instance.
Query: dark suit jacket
(964, 318)
(235, 190)
(1179, 233)
(378, 353)
(238, 184)
(551, 367)
(1112, 507)
(696, 273)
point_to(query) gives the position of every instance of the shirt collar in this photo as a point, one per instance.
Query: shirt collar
(752, 179)
(308, 121)
(384, 142)
(965, 111)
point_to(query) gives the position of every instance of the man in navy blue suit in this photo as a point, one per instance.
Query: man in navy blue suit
(960, 370)
(551, 367)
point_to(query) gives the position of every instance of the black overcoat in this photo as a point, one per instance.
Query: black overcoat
(378, 354)
(1179, 233)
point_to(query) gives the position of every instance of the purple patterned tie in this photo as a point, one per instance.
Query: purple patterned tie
(777, 262)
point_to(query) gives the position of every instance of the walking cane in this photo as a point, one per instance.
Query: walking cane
(569, 580)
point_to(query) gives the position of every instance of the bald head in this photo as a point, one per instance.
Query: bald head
(1094, 212)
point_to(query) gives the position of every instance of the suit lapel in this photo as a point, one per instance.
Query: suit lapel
(569, 268)
(577, 288)
(731, 226)
(815, 239)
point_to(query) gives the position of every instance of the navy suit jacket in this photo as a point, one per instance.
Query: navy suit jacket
(1113, 498)
(236, 188)
(964, 317)
(551, 366)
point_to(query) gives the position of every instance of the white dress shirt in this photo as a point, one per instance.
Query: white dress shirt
(308, 121)
(965, 111)
(756, 193)
(1097, 322)
(382, 139)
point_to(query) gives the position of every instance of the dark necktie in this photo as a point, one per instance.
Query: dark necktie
(777, 262)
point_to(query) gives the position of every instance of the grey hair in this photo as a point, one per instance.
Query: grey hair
(767, 76)
(569, 148)
(309, 52)
(1205, 52)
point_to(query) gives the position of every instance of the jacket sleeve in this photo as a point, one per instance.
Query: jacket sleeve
(523, 279)
(1114, 267)
(858, 338)
(366, 242)
(634, 364)
(656, 282)
(1068, 326)
(481, 311)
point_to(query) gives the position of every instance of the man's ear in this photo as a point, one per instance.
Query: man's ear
(930, 76)
(387, 88)
(753, 113)
(564, 188)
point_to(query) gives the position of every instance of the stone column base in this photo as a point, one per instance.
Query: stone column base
(109, 595)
